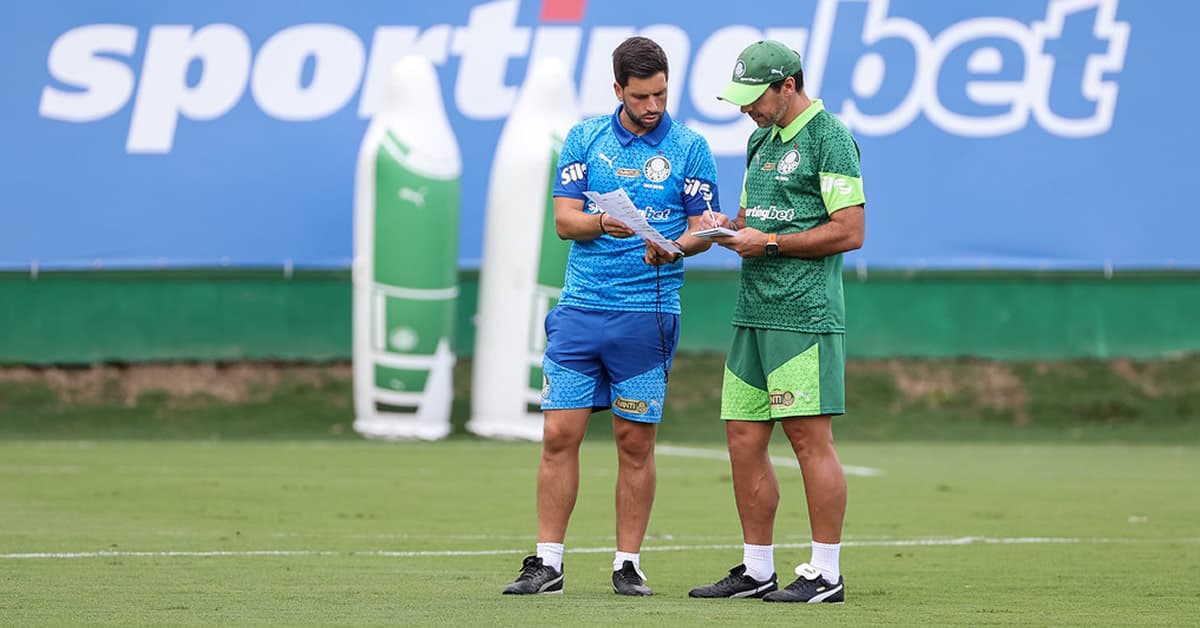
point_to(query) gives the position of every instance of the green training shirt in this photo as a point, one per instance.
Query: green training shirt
(796, 177)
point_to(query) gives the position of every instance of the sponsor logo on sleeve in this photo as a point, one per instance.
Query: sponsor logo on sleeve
(573, 172)
(840, 185)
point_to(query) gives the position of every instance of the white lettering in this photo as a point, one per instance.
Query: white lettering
(596, 96)
(1005, 71)
(829, 183)
(486, 43)
(1019, 97)
(712, 70)
(985, 61)
(223, 51)
(106, 83)
(771, 213)
(693, 187)
(337, 56)
(556, 42)
(880, 27)
(390, 44)
(573, 172)
(819, 44)
(1094, 87)
(657, 214)
(675, 43)
(596, 93)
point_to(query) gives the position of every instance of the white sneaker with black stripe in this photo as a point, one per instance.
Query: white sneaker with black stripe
(811, 587)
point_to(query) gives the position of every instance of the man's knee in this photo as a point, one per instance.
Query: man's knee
(561, 436)
(747, 440)
(810, 437)
(635, 441)
(740, 438)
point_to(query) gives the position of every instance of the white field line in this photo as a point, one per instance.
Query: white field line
(25, 470)
(782, 461)
(930, 542)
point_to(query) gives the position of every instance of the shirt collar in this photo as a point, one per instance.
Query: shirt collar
(653, 138)
(789, 132)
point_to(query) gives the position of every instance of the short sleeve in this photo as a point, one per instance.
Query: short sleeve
(571, 181)
(700, 180)
(840, 172)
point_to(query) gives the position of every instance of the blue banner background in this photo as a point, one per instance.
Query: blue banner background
(245, 188)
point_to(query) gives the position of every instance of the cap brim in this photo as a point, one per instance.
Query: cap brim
(741, 94)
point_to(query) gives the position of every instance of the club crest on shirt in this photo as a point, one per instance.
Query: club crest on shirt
(789, 162)
(657, 169)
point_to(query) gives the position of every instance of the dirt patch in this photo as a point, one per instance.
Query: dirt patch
(1142, 376)
(988, 385)
(230, 383)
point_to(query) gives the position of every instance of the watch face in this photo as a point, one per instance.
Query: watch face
(772, 249)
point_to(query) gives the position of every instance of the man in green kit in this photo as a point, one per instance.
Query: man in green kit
(802, 207)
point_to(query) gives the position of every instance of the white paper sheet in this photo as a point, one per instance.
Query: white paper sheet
(715, 231)
(618, 205)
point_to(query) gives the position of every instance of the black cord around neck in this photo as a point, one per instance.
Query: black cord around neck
(662, 332)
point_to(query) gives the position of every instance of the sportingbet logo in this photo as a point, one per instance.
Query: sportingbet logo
(657, 215)
(199, 73)
(771, 213)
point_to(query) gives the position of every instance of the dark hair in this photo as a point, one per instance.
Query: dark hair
(639, 57)
(799, 76)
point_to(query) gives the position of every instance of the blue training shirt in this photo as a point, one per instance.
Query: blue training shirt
(669, 173)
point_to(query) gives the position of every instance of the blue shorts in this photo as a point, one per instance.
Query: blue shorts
(599, 359)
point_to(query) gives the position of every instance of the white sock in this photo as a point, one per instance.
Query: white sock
(551, 554)
(620, 558)
(759, 560)
(825, 559)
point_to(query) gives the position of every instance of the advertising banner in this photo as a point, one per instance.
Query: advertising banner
(994, 134)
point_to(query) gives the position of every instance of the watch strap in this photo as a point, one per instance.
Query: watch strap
(772, 246)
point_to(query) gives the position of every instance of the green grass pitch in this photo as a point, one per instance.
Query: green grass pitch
(364, 533)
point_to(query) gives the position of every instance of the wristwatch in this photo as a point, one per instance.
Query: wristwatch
(680, 255)
(772, 245)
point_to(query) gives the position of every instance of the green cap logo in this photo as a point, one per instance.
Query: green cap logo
(759, 65)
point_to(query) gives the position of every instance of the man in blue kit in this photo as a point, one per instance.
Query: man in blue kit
(611, 339)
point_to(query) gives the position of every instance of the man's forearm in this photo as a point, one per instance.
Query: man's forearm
(577, 225)
(831, 238)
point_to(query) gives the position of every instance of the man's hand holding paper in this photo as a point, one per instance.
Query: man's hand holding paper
(618, 205)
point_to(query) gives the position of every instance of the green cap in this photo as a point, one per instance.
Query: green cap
(759, 65)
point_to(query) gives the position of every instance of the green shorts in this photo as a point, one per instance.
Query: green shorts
(773, 374)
